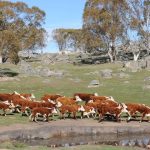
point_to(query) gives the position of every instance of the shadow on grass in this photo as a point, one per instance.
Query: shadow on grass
(6, 72)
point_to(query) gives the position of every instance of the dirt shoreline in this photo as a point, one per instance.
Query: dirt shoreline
(67, 128)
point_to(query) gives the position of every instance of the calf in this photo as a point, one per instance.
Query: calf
(88, 110)
(44, 111)
(70, 109)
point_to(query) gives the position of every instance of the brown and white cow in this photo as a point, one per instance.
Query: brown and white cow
(88, 110)
(70, 109)
(50, 97)
(112, 110)
(86, 97)
(4, 106)
(44, 111)
(134, 108)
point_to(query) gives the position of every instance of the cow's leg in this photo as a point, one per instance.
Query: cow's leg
(74, 115)
(69, 114)
(81, 114)
(4, 112)
(100, 117)
(47, 118)
(143, 115)
(44, 117)
(129, 116)
(30, 118)
(118, 118)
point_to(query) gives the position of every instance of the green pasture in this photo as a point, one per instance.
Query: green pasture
(76, 79)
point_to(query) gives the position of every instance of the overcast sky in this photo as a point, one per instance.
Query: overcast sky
(59, 14)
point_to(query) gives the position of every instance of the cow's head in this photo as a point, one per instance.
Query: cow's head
(78, 99)
(32, 96)
(16, 93)
(58, 104)
(124, 107)
(95, 94)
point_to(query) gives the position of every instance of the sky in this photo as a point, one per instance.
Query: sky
(59, 14)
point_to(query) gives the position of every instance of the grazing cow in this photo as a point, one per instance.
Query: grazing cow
(84, 96)
(70, 109)
(44, 111)
(133, 109)
(109, 109)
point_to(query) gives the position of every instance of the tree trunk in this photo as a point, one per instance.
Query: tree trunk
(110, 56)
(112, 52)
(1, 59)
(136, 55)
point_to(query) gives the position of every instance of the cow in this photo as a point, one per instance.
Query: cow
(65, 101)
(28, 96)
(101, 98)
(84, 97)
(44, 111)
(88, 110)
(5, 106)
(112, 110)
(70, 109)
(50, 97)
(5, 97)
(133, 109)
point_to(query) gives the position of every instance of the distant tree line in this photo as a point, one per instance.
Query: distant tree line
(20, 29)
(107, 25)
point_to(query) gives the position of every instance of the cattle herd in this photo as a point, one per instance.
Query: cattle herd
(83, 104)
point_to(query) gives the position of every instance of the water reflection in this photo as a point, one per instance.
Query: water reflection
(108, 139)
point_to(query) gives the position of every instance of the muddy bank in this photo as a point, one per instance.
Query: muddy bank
(72, 128)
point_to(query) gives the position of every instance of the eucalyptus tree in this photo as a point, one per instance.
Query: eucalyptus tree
(70, 39)
(104, 20)
(139, 26)
(21, 29)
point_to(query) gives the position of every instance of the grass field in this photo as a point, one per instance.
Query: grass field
(21, 146)
(132, 91)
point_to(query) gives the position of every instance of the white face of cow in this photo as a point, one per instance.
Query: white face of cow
(78, 99)
(95, 94)
(59, 104)
(32, 96)
(124, 108)
(16, 93)
(111, 98)
(81, 108)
